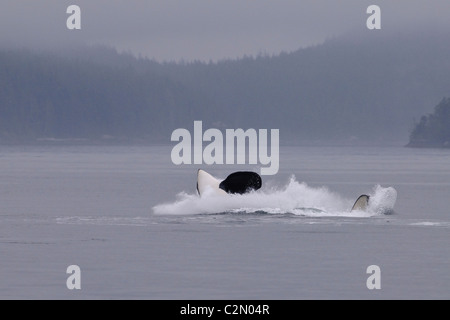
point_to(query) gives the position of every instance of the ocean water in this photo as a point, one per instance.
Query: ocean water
(133, 223)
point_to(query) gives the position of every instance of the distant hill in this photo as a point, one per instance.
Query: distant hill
(433, 130)
(51, 96)
(354, 89)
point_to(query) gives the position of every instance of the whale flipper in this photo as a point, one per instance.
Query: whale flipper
(361, 203)
(206, 182)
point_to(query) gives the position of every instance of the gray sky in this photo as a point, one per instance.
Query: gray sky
(208, 29)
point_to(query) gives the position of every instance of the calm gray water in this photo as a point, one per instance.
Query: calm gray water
(132, 222)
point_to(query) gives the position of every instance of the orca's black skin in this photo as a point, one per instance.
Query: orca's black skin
(241, 182)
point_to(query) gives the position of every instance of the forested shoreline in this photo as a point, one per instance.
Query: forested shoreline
(433, 130)
(349, 89)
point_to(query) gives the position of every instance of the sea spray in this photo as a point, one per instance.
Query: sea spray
(295, 198)
(382, 200)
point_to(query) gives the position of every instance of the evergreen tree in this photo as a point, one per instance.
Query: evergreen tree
(433, 130)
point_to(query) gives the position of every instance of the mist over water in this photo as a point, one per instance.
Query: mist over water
(296, 198)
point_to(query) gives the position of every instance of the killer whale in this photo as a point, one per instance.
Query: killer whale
(242, 182)
(239, 182)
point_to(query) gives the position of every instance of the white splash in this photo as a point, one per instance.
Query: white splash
(295, 198)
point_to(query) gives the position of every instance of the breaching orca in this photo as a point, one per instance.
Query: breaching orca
(236, 183)
(246, 181)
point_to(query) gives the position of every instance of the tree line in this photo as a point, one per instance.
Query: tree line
(433, 130)
(349, 89)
